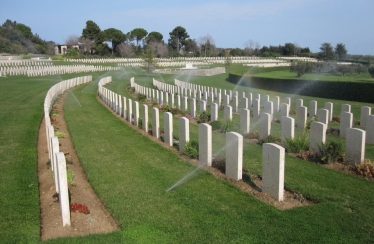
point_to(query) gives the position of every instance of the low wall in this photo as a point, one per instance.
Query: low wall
(349, 91)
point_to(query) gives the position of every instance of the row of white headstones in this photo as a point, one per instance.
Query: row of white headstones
(57, 158)
(209, 95)
(52, 70)
(273, 155)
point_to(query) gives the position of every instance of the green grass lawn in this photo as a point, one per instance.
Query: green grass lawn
(131, 174)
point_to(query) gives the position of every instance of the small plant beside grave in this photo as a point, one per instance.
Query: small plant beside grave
(309, 122)
(269, 139)
(229, 125)
(331, 152)
(60, 135)
(141, 98)
(130, 89)
(216, 125)
(192, 149)
(333, 131)
(140, 123)
(70, 177)
(297, 144)
(308, 155)
(365, 169)
(203, 117)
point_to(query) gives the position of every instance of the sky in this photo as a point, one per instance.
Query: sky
(231, 23)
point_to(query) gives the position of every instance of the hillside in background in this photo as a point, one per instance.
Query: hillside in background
(17, 38)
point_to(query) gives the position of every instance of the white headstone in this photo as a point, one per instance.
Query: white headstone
(234, 155)
(273, 157)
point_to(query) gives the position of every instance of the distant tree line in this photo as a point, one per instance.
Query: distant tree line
(17, 38)
(334, 68)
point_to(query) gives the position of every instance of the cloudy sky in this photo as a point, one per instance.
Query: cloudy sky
(231, 23)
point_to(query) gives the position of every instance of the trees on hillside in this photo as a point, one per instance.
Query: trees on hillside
(302, 68)
(137, 34)
(114, 36)
(126, 50)
(191, 47)
(340, 51)
(154, 36)
(17, 38)
(207, 46)
(178, 37)
(326, 52)
(92, 31)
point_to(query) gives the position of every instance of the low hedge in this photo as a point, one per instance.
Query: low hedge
(349, 91)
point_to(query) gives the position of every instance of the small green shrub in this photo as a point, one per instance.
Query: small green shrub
(203, 117)
(309, 122)
(70, 177)
(60, 135)
(192, 149)
(176, 145)
(252, 135)
(140, 123)
(216, 125)
(269, 139)
(142, 98)
(130, 89)
(165, 108)
(330, 152)
(297, 144)
(230, 125)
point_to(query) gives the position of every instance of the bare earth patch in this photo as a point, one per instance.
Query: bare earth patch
(99, 220)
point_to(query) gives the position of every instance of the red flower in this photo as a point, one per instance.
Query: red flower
(79, 207)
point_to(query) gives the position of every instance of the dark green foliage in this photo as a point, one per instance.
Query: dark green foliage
(302, 67)
(340, 51)
(269, 139)
(203, 117)
(309, 122)
(339, 90)
(154, 36)
(17, 38)
(137, 35)
(140, 123)
(216, 125)
(178, 38)
(141, 98)
(192, 149)
(330, 152)
(114, 36)
(327, 52)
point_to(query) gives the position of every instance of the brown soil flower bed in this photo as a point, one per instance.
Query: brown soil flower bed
(91, 216)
